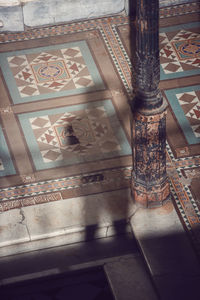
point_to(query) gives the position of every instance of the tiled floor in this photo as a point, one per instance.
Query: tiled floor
(179, 51)
(51, 71)
(65, 160)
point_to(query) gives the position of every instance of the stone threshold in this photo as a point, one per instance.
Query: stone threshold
(71, 236)
(163, 242)
(66, 258)
(65, 222)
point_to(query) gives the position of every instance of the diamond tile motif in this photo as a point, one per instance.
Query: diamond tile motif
(196, 130)
(179, 53)
(185, 103)
(74, 134)
(190, 104)
(172, 67)
(48, 72)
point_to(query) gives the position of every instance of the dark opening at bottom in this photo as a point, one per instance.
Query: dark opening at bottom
(90, 284)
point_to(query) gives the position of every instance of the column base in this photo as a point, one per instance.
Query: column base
(151, 196)
(150, 185)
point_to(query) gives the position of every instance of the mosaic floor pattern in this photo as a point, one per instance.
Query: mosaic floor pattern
(185, 102)
(74, 134)
(64, 112)
(179, 52)
(62, 70)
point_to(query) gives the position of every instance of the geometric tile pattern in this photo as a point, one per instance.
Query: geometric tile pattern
(119, 55)
(74, 134)
(185, 104)
(190, 103)
(165, 12)
(188, 64)
(65, 136)
(179, 9)
(50, 71)
(179, 52)
(191, 174)
(180, 188)
(110, 176)
(81, 132)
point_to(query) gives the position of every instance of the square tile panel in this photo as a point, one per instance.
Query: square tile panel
(48, 72)
(6, 164)
(179, 51)
(185, 103)
(74, 134)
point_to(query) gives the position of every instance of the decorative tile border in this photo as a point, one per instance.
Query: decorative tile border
(178, 98)
(179, 51)
(118, 54)
(182, 195)
(57, 30)
(72, 182)
(182, 9)
(28, 201)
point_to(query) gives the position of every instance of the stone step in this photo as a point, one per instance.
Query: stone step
(168, 252)
(118, 258)
(129, 279)
(65, 259)
(65, 221)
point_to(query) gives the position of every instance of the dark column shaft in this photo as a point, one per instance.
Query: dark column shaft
(150, 185)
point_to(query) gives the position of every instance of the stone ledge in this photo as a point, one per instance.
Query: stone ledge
(168, 252)
(65, 222)
(129, 279)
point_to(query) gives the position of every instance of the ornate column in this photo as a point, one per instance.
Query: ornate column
(150, 186)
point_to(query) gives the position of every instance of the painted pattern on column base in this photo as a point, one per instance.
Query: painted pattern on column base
(151, 196)
(150, 185)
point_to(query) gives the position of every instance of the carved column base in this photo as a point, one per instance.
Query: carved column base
(150, 186)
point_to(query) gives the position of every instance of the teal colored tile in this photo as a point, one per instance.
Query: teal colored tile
(73, 157)
(36, 68)
(6, 164)
(180, 48)
(179, 113)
